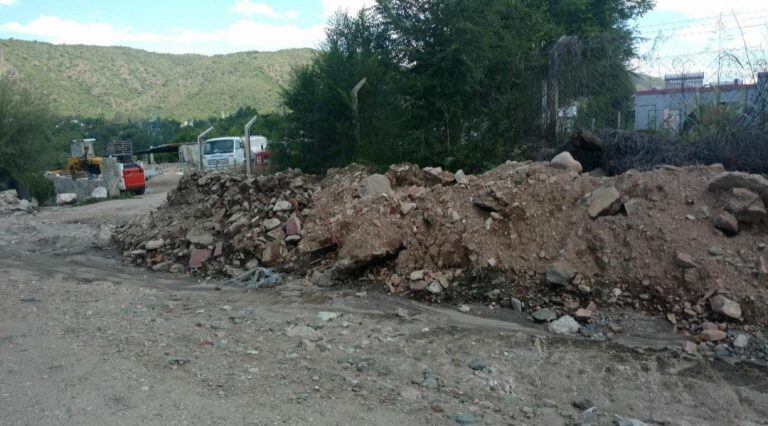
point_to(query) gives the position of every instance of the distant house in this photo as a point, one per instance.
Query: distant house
(675, 105)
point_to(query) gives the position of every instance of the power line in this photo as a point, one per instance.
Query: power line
(716, 30)
(729, 25)
(703, 19)
(706, 52)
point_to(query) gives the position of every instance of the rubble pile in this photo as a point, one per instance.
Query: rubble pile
(10, 203)
(688, 243)
(222, 225)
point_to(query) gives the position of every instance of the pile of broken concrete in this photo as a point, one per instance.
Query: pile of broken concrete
(686, 243)
(222, 225)
(11, 203)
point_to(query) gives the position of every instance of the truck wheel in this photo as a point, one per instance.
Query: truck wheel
(140, 191)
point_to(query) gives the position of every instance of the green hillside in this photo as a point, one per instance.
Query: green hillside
(647, 82)
(129, 83)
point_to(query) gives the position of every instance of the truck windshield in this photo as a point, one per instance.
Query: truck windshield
(219, 147)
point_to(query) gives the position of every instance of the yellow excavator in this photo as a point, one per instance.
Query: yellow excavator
(82, 161)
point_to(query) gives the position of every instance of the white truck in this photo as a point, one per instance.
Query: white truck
(229, 152)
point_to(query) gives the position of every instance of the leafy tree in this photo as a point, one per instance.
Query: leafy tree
(454, 82)
(25, 139)
(321, 129)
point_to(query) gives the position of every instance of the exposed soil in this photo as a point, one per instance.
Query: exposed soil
(501, 236)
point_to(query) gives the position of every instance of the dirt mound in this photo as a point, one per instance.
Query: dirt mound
(685, 242)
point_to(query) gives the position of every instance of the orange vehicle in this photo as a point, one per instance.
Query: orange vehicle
(133, 175)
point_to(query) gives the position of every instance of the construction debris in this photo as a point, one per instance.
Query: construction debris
(566, 325)
(556, 240)
(565, 161)
(66, 198)
(605, 200)
(10, 202)
(217, 224)
(255, 278)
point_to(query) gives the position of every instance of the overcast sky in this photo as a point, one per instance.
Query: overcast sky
(683, 35)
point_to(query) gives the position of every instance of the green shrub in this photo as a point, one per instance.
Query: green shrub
(26, 144)
(34, 184)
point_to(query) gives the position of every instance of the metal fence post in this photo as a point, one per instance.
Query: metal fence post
(200, 145)
(248, 153)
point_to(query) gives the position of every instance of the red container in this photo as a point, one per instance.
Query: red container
(134, 179)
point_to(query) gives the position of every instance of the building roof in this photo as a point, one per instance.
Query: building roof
(703, 89)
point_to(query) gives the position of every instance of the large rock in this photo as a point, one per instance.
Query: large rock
(685, 260)
(198, 257)
(293, 226)
(488, 203)
(565, 161)
(238, 226)
(99, 193)
(566, 325)
(407, 208)
(199, 237)
(25, 206)
(746, 206)
(154, 244)
(66, 198)
(438, 176)
(727, 223)
(725, 306)
(274, 253)
(461, 178)
(405, 174)
(730, 180)
(282, 206)
(374, 185)
(358, 254)
(712, 335)
(559, 275)
(276, 234)
(271, 224)
(435, 288)
(633, 207)
(9, 201)
(754, 213)
(544, 315)
(605, 200)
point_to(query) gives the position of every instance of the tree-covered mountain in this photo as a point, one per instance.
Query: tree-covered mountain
(124, 83)
(647, 82)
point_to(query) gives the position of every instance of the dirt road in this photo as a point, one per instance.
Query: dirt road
(85, 340)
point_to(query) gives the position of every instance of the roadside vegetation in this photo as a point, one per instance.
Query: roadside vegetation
(26, 138)
(457, 83)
